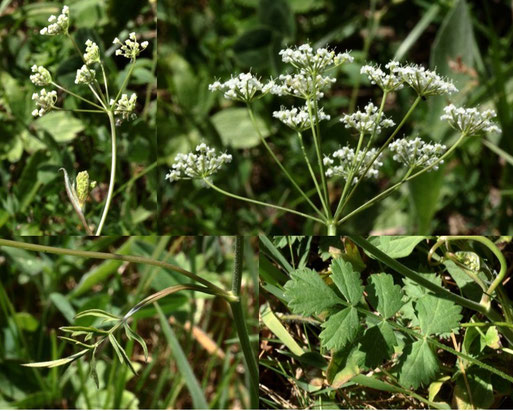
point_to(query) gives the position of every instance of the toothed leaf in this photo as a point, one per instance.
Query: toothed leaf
(347, 280)
(384, 295)
(340, 329)
(418, 365)
(437, 315)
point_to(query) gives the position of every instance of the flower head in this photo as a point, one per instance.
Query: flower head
(92, 54)
(85, 75)
(59, 24)
(387, 82)
(415, 153)
(243, 87)
(470, 121)
(125, 106)
(200, 164)
(366, 121)
(305, 58)
(45, 101)
(298, 119)
(348, 165)
(83, 186)
(131, 48)
(425, 82)
(303, 85)
(41, 76)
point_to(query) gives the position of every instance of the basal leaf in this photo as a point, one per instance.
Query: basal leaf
(98, 313)
(396, 246)
(56, 363)
(340, 329)
(347, 280)
(418, 365)
(308, 294)
(384, 295)
(437, 315)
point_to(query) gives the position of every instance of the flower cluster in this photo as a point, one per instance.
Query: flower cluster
(387, 82)
(298, 119)
(131, 48)
(415, 153)
(41, 76)
(125, 106)
(304, 58)
(59, 24)
(349, 165)
(302, 85)
(201, 164)
(92, 53)
(243, 87)
(425, 82)
(45, 100)
(83, 187)
(85, 75)
(470, 121)
(366, 121)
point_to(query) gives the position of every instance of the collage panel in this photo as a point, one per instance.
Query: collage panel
(140, 322)
(386, 322)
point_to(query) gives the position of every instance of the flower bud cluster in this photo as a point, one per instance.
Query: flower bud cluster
(387, 82)
(85, 75)
(201, 164)
(415, 153)
(303, 85)
(425, 82)
(59, 24)
(304, 58)
(92, 53)
(131, 48)
(243, 87)
(347, 164)
(298, 119)
(45, 100)
(83, 187)
(470, 121)
(366, 121)
(125, 106)
(41, 76)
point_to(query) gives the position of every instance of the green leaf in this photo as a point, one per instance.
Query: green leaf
(347, 280)
(56, 363)
(418, 365)
(94, 373)
(78, 330)
(384, 295)
(98, 313)
(274, 324)
(344, 365)
(123, 358)
(425, 191)
(61, 125)
(340, 329)
(63, 305)
(131, 334)
(490, 339)
(76, 342)
(308, 294)
(481, 390)
(437, 315)
(26, 321)
(378, 344)
(396, 246)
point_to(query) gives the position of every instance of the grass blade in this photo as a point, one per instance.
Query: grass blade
(273, 323)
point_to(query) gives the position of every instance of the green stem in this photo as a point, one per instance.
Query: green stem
(78, 110)
(498, 324)
(105, 83)
(332, 228)
(240, 322)
(125, 82)
(112, 173)
(77, 96)
(98, 97)
(249, 200)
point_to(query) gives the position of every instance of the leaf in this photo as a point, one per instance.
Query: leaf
(61, 125)
(347, 280)
(82, 330)
(56, 363)
(437, 315)
(425, 191)
(396, 246)
(94, 373)
(340, 329)
(26, 321)
(131, 334)
(384, 295)
(378, 344)
(490, 339)
(274, 324)
(98, 313)
(481, 390)
(123, 358)
(308, 294)
(344, 365)
(76, 342)
(63, 305)
(418, 365)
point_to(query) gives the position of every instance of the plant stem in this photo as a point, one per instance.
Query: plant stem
(240, 322)
(250, 200)
(125, 81)
(112, 172)
(78, 110)
(105, 83)
(332, 228)
(77, 96)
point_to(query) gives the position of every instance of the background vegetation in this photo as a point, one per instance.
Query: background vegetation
(41, 292)
(32, 196)
(470, 41)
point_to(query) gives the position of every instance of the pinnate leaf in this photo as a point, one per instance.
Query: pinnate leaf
(57, 363)
(308, 294)
(418, 364)
(123, 358)
(437, 315)
(340, 329)
(98, 313)
(384, 295)
(131, 334)
(347, 280)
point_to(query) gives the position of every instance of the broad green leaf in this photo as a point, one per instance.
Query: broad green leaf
(347, 280)
(418, 365)
(481, 390)
(425, 191)
(414, 290)
(490, 339)
(274, 324)
(345, 365)
(308, 294)
(340, 329)
(396, 246)
(437, 315)
(56, 363)
(123, 358)
(384, 295)
(98, 313)
(378, 344)
(26, 321)
(63, 305)
(61, 125)
(466, 284)
(131, 334)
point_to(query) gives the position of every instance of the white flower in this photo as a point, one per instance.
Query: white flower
(302, 84)
(59, 24)
(200, 164)
(470, 120)
(304, 58)
(348, 165)
(131, 48)
(45, 101)
(298, 119)
(92, 54)
(365, 121)
(85, 75)
(425, 82)
(387, 82)
(415, 153)
(41, 76)
(243, 87)
(125, 106)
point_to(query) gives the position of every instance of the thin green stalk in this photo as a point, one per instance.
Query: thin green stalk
(105, 83)
(240, 322)
(97, 97)
(112, 173)
(282, 167)
(261, 203)
(497, 324)
(125, 81)
(78, 110)
(77, 96)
